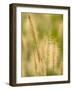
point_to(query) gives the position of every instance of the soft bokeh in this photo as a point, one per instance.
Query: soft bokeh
(42, 44)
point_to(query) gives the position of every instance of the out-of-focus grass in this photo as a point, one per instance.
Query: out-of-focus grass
(42, 44)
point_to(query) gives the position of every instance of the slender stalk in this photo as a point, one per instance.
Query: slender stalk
(53, 55)
(34, 34)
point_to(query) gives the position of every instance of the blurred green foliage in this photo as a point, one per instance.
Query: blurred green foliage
(47, 25)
